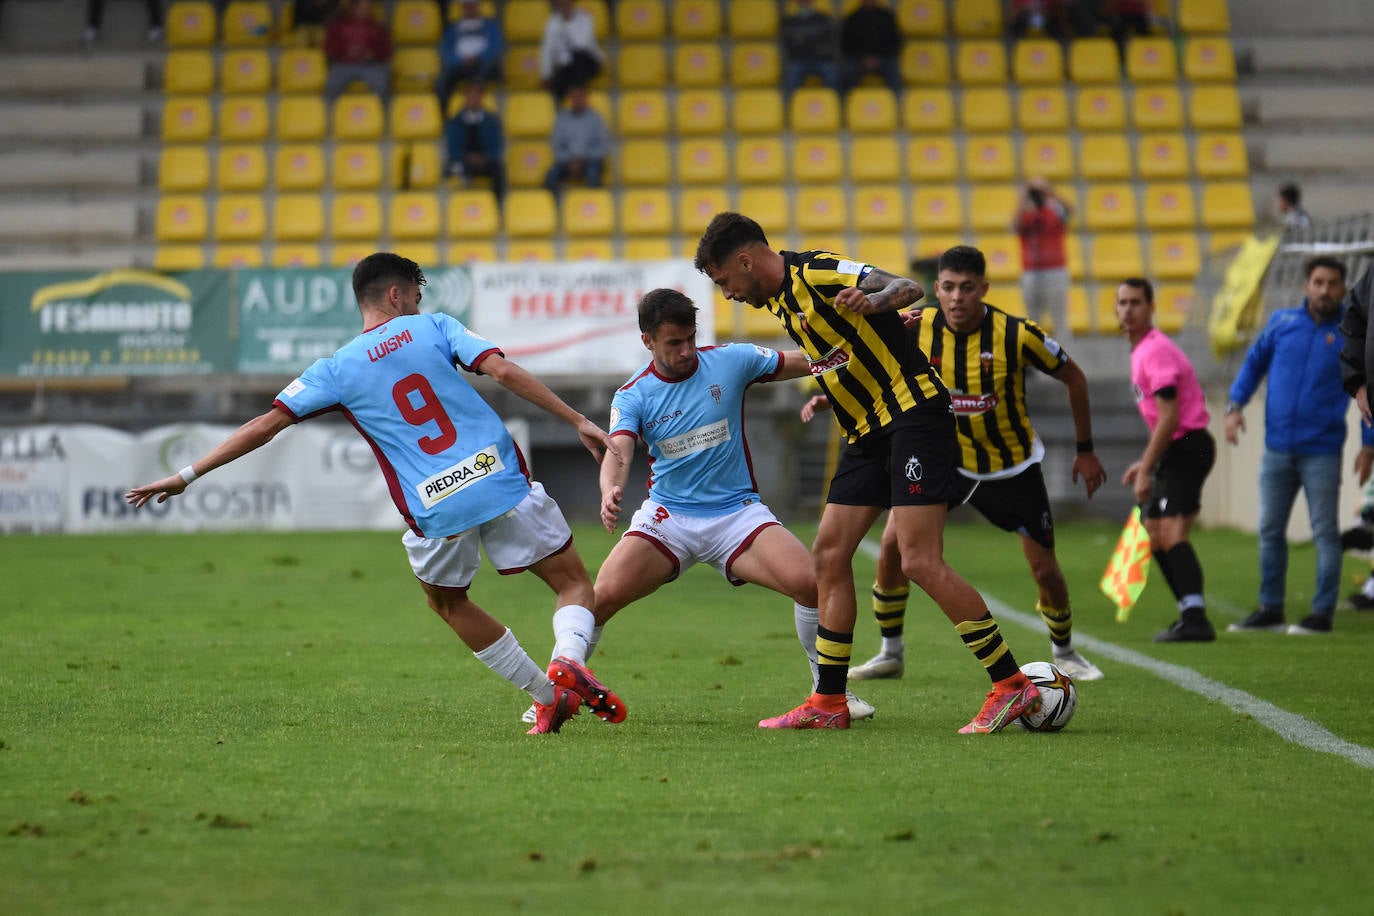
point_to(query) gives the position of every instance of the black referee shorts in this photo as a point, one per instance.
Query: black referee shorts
(1179, 476)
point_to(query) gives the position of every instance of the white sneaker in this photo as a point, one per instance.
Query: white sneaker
(879, 667)
(532, 714)
(858, 708)
(1076, 666)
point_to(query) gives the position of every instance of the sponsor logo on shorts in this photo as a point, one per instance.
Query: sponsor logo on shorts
(972, 405)
(450, 480)
(913, 469)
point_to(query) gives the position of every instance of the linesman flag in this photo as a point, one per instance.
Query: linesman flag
(1125, 577)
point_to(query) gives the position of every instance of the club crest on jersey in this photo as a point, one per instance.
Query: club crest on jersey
(830, 362)
(985, 360)
(450, 480)
(972, 405)
(714, 391)
(913, 470)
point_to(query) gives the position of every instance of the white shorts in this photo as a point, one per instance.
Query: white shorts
(515, 541)
(690, 539)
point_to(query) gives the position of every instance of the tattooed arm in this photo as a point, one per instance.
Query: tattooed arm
(880, 291)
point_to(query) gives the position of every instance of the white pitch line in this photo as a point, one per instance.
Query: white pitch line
(1287, 725)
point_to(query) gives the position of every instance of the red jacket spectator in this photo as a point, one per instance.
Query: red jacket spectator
(354, 37)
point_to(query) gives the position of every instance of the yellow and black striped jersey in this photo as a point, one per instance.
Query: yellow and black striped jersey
(985, 371)
(868, 365)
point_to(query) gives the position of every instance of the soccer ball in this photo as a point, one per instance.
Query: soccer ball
(1058, 698)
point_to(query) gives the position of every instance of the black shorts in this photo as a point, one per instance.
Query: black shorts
(1020, 504)
(1179, 475)
(913, 462)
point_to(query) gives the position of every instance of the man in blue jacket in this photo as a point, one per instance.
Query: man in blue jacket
(1304, 432)
(469, 51)
(475, 142)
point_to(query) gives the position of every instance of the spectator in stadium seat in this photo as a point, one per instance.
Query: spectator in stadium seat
(1041, 223)
(1048, 17)
(95, 18)
(456, 476)
(810, 47)
(871, 43)
(1304, 433)
(1168, 477)
(581, 142)
(569, 55)
(1126, 18)
(358, 47)
(1290, 207)
(470, 51)
(902, 452)
(309, 18)
(476, 142)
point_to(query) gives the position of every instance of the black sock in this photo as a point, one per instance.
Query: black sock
(1162, 561)
(1185, 572)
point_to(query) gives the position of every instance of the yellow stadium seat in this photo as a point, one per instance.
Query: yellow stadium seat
(297, 218)
(698, 64)
(645, 162)
(1042, 108)
(190, 24)
(1169, 205)
(414, 69)
(1037, 60)
(887, 251)
(245, 70)
(1214, 107)
(528, 162)
(927, 110)
(1077, 262)
(925, 63)
(752, 20)
(817, 159)
(757, 111)
(871, 110)
(413, 215)
(1175, 256)
(186, 119)
(1048, 156)
(932, 159)
(422, 165)
(471, 251)
(531, 251)
(520, 68)
(1151, 59)
(589, 249)
(814, 109)
(822, 210)
(295, 256)
(1100, 108)
(529, 114)
(530, 213)
(188, 73)
(243, 118)
(301, 70)
(702, 160)
(1103, 307)
(523, 21)
(355, 216)
(760, 160)
(641, 66)
(183, 169)
(1094, 60)
(240, 218)
(989, 158)
(937, 208)
(241, 167)
(696, 206)
(1116, 255)
(1157, 108)
(981, 62)
(754, 64)
(1173, 305)
(922, 18)
(992, 207)
(647, 248)
(700, 111)
(1221, 155)
(600, 12)
(472, 214)
(646, 212)
(642, 113)
(1209, 60)
(347, 253)
(696, 19)
(416, 116)
(237, 257)
(1003, 253)
(985, 109)
(1203, 17)
(977, 18)
(879, 209)
(416, 22)
(1162, 156)
(1081, 314)
(426, 254)
(1104, 156)
(875, 159)
(177, 258)
(640, 20)
(356, 166)
(933, 244)
(300, 117)
(247, 23)
(1110, 206)
(770, 207)
(358, 117)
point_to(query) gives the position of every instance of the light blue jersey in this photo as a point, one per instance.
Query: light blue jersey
(449, 463)
(694, 428)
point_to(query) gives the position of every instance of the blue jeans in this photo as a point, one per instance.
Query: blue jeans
(1319, 476)
(795, 72)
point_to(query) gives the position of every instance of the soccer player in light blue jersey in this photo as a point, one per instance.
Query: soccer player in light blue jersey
(453, 471)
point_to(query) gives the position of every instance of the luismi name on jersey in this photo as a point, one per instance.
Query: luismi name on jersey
(450, 480)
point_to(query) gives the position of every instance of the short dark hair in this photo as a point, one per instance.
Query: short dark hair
(1324, 260)
(376, 272)
(725, 234)
(1291, 194)
(665, 306)
(963, 259)
(1142, 284)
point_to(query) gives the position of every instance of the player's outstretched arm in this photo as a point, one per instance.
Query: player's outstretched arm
(612, 479)
(519, 381)
(1086, 464)
(793, 365)
(254, 434)
(880, 291)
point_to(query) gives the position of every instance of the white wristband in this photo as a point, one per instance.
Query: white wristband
(187, 473)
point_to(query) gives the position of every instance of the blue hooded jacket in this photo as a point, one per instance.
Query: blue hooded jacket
(1305, 405)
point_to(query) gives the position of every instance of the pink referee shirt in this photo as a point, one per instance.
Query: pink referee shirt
(1157, 363)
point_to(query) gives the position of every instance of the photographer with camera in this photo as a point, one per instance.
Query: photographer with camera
(1041, 221)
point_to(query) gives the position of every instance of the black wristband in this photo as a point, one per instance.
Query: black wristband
(1084, 446)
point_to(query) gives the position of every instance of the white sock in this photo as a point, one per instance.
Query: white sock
(573, 626)
(1368, 587)
(591, 643)
(893, 646)
(807, 620)
(510, 661)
